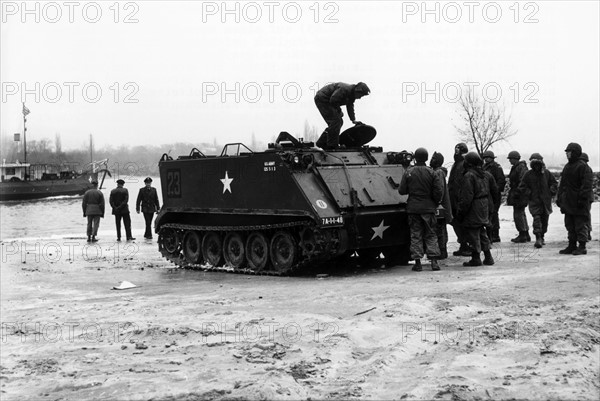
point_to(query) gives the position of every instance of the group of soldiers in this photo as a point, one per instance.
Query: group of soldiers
(93, 208)
(471, 199)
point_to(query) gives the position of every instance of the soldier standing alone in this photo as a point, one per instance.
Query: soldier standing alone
(148, 200)
(120, 209)
(93, 209)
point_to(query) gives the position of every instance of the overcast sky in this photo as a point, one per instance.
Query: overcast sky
(156, 72)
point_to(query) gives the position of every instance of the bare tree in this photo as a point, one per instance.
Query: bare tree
(484, 123)
(311, 133)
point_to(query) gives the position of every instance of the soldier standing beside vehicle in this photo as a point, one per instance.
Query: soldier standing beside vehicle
(148, 200)
(491, 166)
(454, 184)
(425, 190)
(93, 209)
(574, 191)
(586, 159)
(120, 209)
(473, 210)
(518, 170)
(329, 100)
(537, 187)
(436, 163)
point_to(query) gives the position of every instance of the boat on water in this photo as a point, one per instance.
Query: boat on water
(26, 181)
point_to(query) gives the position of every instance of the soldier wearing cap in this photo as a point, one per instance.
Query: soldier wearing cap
(514, 199)
(574, 197)
(93, 209)
(537, 188)
(120, 209)
(147, 202)
(329, 100)
(495, 169)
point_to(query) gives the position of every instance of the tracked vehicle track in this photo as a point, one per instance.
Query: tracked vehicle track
(274, 250)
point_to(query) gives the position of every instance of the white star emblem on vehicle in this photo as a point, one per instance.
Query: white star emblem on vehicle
(378, 231)
(226, 183)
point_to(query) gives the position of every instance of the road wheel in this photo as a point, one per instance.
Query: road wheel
(168, 240)
(192, 247)
(283, 251)
(233, 250)
(257, 251)
(212, 249)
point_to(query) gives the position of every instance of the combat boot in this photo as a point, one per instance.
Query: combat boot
(521, 238)
(417, 267)
(94, 238)
(543, 240)
(581, 249)
(464, 250)
(539, 241)
(434, 265)
(569, 249)
(488, 260)
(527, 237)
(89, 238)
(443, 253)
(475, 260)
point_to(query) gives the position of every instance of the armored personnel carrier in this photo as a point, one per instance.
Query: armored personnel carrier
(281, 210)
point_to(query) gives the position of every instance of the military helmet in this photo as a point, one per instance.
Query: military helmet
(584, 157)
(437, 160)
(473, 159)
(514, 155)
(536, 156)
(421, 155)
(573, 147)
(575, 150)
(488, 153)
(462, 147)
(405, 157)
